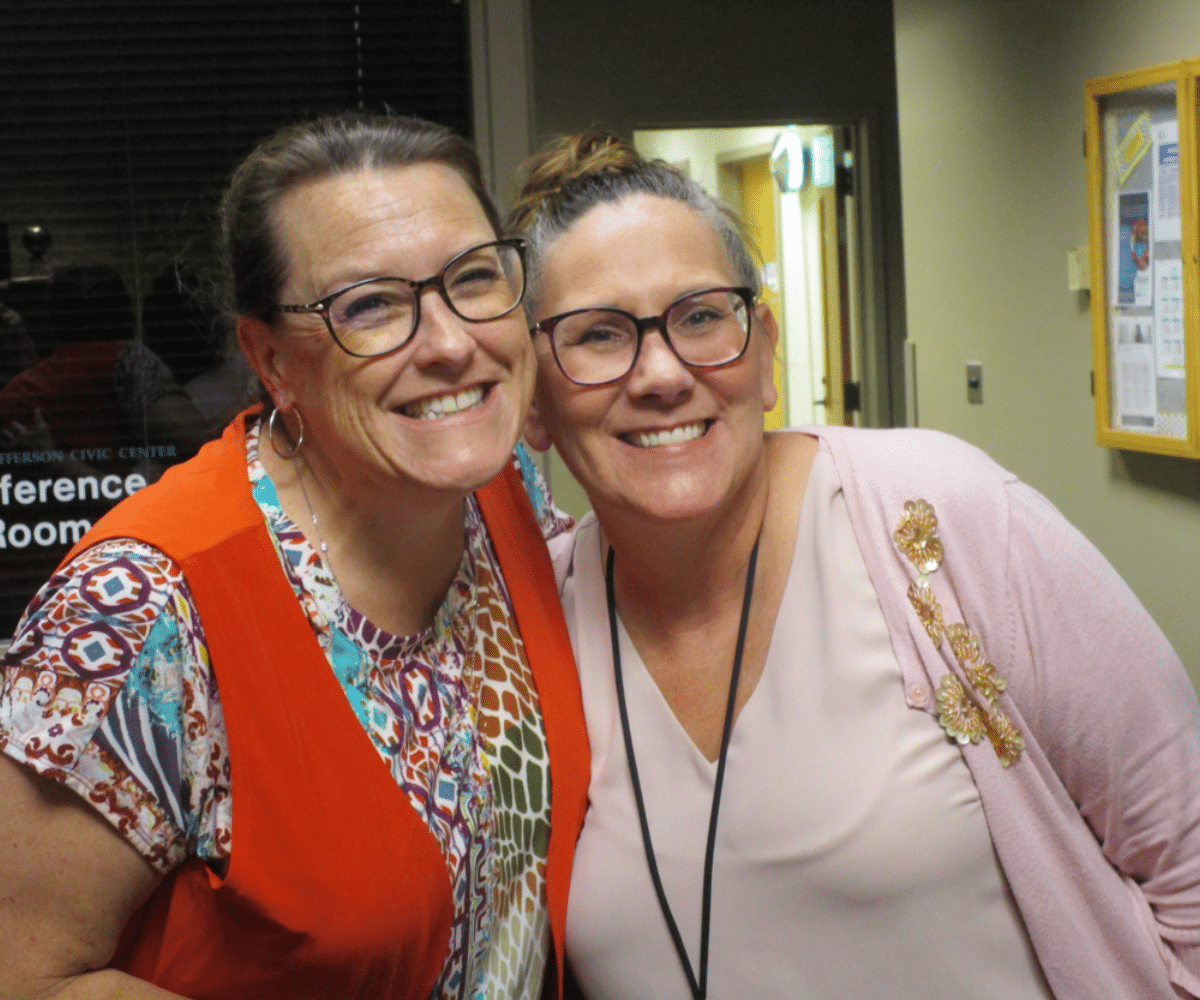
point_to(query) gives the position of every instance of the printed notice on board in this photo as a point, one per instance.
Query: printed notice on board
(1133, 284)
(1133, 373)
(1168, 318)
(1166, 182)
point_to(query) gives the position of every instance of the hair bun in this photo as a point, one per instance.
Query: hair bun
(564, 162)
(601, 153)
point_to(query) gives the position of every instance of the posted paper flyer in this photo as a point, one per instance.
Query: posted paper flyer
(1133, 284)
(1166, 182)
(1133, 372)
(1168, 318)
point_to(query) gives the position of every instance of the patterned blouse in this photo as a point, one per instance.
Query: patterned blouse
(108, 688)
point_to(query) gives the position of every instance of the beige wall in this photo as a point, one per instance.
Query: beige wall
(993, 193)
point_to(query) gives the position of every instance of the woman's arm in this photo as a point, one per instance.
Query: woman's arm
(68, 884)
(1116, 716)
(75, 865)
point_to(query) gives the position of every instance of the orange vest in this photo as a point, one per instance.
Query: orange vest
(335, 887)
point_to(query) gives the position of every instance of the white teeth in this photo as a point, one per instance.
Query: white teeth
(676, 435)
(441, 406)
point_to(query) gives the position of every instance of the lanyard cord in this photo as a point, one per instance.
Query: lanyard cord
(699, 988)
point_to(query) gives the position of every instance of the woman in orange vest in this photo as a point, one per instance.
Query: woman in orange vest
(300, 720)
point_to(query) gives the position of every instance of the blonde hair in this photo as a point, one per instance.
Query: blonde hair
(573, 174)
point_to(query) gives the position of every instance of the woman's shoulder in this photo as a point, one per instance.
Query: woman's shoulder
(883, 470)
(910, 454)
(116, 583)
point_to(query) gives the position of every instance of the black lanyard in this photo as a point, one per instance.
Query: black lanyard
(699, 988)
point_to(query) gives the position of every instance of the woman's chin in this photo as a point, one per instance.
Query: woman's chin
(458, 475)
(676, 498)
(396, 468)
(680, 482)
(459, 453)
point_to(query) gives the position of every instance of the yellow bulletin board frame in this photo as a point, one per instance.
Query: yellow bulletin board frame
(1118, 161)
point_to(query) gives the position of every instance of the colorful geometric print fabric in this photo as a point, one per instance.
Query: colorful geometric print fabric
(108, 688)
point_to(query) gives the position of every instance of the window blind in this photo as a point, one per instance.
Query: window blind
(119, 125)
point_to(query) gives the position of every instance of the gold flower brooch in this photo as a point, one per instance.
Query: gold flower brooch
(967, 711)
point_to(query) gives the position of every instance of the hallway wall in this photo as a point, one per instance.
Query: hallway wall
(991, 104)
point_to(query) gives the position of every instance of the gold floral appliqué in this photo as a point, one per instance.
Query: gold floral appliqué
(920, 596)
(1006, 738)
(958, 713)
(968, 712)
(916, 536)
(982, 675)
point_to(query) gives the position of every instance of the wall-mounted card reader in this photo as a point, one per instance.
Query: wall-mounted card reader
(974, 381)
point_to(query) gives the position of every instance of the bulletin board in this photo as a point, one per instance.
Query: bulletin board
(1142, 155)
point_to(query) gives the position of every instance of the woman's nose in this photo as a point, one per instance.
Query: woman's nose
(658, 371)
(443, 337)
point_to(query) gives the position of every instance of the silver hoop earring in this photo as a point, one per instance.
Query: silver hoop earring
(287, 456)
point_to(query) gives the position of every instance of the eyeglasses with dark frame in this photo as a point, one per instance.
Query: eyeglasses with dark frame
(377, 316)
(707, 329)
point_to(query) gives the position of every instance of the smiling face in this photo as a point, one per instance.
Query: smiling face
(442, 413)
(666, 441)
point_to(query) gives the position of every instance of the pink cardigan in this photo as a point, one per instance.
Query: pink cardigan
(1097, 825)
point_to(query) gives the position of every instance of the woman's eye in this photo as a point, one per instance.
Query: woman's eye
(370, 305)
(700, 316)
(598, 336)
(363, 305)
(477, 275)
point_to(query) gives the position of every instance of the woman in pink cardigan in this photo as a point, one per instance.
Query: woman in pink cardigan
(867, 716)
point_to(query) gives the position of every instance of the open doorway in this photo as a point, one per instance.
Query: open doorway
(811, 249)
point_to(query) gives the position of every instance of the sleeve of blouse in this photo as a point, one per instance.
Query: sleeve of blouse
(106, 689)
(1116, 715)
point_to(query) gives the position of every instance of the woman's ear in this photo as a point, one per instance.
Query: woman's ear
(259, 342)
(766, 361)
(536, 433)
